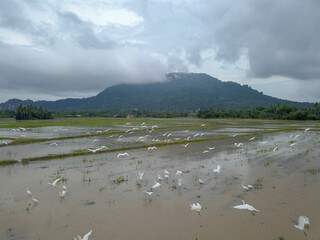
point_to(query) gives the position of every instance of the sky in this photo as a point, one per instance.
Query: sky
(76, 48)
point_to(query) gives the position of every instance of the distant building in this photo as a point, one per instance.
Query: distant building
(130, 116)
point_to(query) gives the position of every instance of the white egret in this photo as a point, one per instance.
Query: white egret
(200, 181)
(196, 135)
(202, 125)
(99, 131)
(149, 193)
(165, 134)
(292, 144)
(4, 142)
(252, 138)
(159, 177)
(186, 131)
(152, 148)
(64, 187)
(195, 207)
(53, 144)
(179, 173)
(155, 126)
(306, 130)
(205, 151)
(140, 175)
(264, 142)
(166, 172)
(246, 206)
(123, 154)
(54, 183)
(275, 149)
(188, 138)
(217, 170)
(238, 144)
(94, 140)
(234, 135)
(250, 186)
(156, 185)
(245, 187)
(35, 201)
(29, 193)
(302, 221)
(139, 139)
(210, 148)
(85, 237)
(150, 131)
(21, 128)
(166, 176)
(179, 182)
(143, 124)
(169, 135)
(62, 193)
(296, 136)
(185, 145)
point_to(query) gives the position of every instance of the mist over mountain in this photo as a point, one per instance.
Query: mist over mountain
(180, 91)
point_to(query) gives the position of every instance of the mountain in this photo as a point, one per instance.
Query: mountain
(180, 91)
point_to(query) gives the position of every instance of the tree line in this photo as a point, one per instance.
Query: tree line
(32, 112)
(277, 112)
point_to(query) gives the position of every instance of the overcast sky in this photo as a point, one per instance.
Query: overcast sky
(54, 49)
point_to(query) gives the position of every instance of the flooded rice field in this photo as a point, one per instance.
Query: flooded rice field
(272, 166)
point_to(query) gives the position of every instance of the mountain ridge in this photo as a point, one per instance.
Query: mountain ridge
(180, 91)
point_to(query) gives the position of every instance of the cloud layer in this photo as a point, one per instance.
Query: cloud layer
(77, 48)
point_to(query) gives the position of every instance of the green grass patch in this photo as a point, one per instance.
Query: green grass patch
(7, 162)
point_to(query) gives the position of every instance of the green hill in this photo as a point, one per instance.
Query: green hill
(180, 91)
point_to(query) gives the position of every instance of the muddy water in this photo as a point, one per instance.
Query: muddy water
(285, 190)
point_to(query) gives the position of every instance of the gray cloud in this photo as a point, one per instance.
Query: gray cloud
(74, 54)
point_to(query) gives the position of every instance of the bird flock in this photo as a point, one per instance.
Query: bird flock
(302, 221)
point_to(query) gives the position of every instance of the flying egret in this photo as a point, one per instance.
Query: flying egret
(306, 130)
(200, 181)
(155, 126)
(21, 128)
(156, 185)
(140, 175)
(195, 207)
(99, 131)
(252, 138)
(196, 135)
(246, 206)
(292, 144)
(179, 173)
(149, 193)
(62, 193)
(234, 135)
(302, 221)
(186, 131)
(217, 170)
(188, 138)
(94, 140)
(169, 135)
(53, 144)
(205, 151)
(150, 131)
(143, 124)
(85, 237)
(152, 148)
(275, 149)
(238, 144)
(210, 148)
(29, 193)
(4, 142)
(123, 154)
(54, 183)
(93, 150)
(185, 145)
(296, 136)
